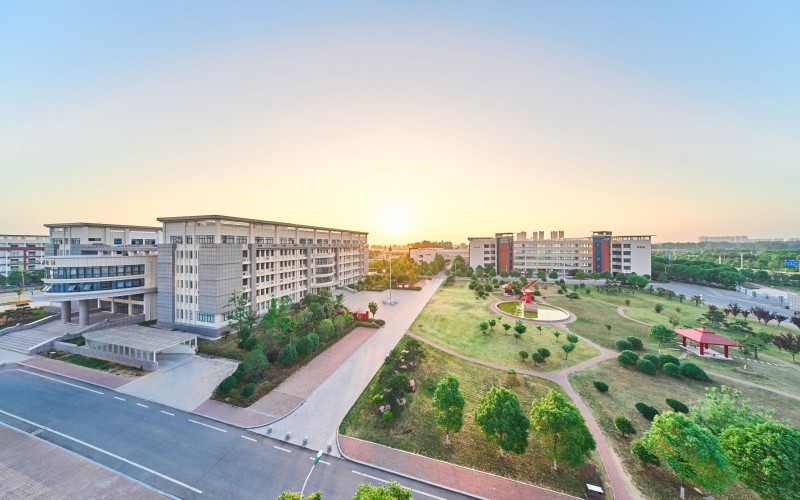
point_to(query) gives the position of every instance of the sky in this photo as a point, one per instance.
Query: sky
(410, 120)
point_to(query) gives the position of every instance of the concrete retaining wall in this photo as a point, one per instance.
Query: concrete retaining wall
(19, 326)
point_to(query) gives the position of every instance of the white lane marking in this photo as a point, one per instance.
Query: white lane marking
(143, 406)
(321, 461)
(121, 399)
(249, 439)
(282, 449)
(411, 489)
(206, 425)
(167, 413)
(61, 382)
(112, 455)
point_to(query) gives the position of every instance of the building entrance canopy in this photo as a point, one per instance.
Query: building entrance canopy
(137, 341)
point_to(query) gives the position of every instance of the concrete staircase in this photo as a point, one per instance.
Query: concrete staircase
(25, 341)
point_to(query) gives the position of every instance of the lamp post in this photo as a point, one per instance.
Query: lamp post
(390, 301)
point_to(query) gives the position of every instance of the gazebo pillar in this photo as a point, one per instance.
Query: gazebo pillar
(684, 341)
(701, 348)
(726, 351)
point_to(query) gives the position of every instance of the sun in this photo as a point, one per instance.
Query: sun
(395, 221)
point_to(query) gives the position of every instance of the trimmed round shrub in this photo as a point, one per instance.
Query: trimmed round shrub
(247, 390)
(636, 342)
(630, 354)
(226, 385)
(624, 345)
(653, 359)
(537, 358)
(600, 385)
(671, 369)
(624, 360)
(304, 346)
(545, 353)
(326, 328)
(388, 416)
(646, 366)
(669, 358)
(677, 405)
(647, 411)
(691, 370)
(240, 371)
(638, 449)
(377, 399)
(624, 426)
(249, 344)
(288, 355)
(571, 337)
(272, 355)
(314, 338)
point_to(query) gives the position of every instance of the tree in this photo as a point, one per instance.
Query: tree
(692, 452)
(492, 322)
(484, 326)
(674, 320)
(568, 348)
(697, 299)
(502, 421)
(506, 327)
(326, 328)
(523, 355)
(723, 408)
(553, 275)
(608, 327)
(624, 425)
(395, 388)
(560, 428)
(520, 327)
(392, 491)
(255, 364)
(765, 457)
(287, 355)
(537, 358)
(241, 318)
(659, 308)
(789, 342)
(662, 334)
(448, 403)
(544, 352)
(295, 495)
(373, 308)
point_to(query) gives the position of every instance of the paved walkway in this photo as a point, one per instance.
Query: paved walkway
(319, 417)
(33, 468)
(444, 474)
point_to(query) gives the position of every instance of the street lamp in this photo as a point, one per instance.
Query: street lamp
(390, 301)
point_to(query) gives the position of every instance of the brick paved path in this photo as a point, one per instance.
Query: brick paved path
(96, 377)
(31, 468)
(455, 477)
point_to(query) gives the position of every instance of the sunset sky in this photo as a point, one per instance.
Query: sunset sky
(410, 120)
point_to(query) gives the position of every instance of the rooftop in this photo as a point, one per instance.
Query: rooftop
(705, 336)
(192, 218)
(102, 224)
(140, 337)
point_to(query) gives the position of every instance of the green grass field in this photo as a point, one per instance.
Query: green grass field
(451, 319)
(415, 428)
(97, 364)
(628, 386)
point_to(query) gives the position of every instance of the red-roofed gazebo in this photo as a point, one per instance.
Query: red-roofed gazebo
(705, 337)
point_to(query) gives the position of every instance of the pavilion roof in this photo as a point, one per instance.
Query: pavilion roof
(705, 336)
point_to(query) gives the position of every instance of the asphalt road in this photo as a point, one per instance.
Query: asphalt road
(178, 453)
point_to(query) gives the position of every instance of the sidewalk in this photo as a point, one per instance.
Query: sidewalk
(444, 474)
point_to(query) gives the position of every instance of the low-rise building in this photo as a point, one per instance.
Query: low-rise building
(21, 252)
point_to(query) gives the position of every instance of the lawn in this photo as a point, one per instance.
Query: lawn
(415, 430)
(594, 314)
(451, 319)
(628, 386)
(97, 364)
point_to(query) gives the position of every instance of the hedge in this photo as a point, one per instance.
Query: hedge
(668, 358)
(636, 342)
(671, 369)
(227, 384)
(288, 355)
(630, 354)
(624, 345)
(647, 411)
(600, 385)
(304, 346)
(691, 370)
(646, 366)
(677, 405)
(653, 359)
(247, 390)
(624, 360)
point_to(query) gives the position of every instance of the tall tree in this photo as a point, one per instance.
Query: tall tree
(448, 403)
(568, 348)
(373, 308)
(724, 407)
(392, 491)
(241, 318)
(502, 420)
(765, 457)
(560, 428)
(692, 452)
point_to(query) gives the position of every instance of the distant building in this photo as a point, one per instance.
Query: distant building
(599, 252)
(428, 254)
(21, 252)
(723, 239)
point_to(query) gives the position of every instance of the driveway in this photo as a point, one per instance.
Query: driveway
(182, 381)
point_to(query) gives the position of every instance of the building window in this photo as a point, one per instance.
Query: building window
(149, 242)
(176, 239)
(205, 239)
(74, 241)
(118, 241)
(137, 241)
(227, 239)
(259, 240)
(242, 240)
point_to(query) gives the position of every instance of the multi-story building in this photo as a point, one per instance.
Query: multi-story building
(596, 253)
(21, 252)
(101, 266)
(205, 259)
(428, 254)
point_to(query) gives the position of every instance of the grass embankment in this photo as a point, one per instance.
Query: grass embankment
(37, 313)
(96, 364)
(451, 319)
(594, 314)
(414, 428)
(628, 387)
